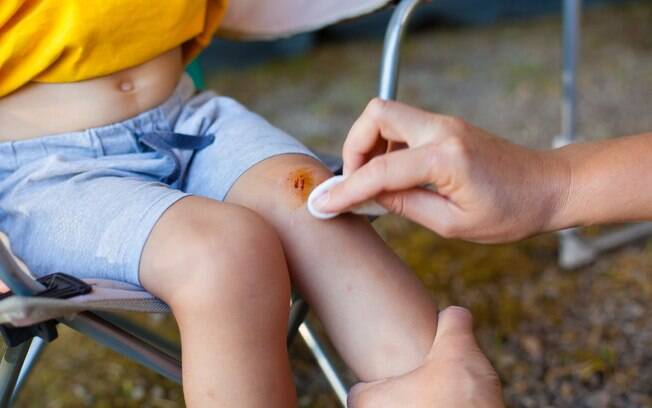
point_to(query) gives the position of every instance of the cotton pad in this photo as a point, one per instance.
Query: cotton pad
(370, 207)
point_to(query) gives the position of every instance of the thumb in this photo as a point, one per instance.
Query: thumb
(455, 348)
(454, 331)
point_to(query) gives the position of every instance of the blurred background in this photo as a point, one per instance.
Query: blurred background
(580, 338)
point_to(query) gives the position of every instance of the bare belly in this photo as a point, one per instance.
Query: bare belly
(39, 109)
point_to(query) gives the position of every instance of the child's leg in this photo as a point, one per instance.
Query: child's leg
(375, 310)
(221, 269)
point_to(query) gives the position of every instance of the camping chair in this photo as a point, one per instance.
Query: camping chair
(29, 317)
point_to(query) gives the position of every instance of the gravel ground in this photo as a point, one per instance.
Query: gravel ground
(557, 338)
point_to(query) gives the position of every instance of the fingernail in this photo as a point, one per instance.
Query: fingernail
(322, 201)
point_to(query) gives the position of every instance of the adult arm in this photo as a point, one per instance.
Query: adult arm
(485, 188)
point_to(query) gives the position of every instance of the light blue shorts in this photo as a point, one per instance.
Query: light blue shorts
(85, 202)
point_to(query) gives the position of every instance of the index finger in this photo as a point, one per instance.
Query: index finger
(396, 171)
(391, 121)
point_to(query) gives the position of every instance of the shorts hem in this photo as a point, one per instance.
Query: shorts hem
(246, 164)
(136, 244)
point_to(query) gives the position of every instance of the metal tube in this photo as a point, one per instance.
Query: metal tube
(126, 344)
(173, 349)
(570, 48)
(10, 366)
(298, 313)
(390, 63)
(617, 238)
(324, 361)
(573, 250)
(33, 355)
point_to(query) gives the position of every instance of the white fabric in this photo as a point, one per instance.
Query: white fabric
(24, 311)
(370, 207)
(106, 295)
(4, 240)
(265, 19)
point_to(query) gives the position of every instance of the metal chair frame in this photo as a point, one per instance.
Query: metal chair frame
(146, 347)
(575, 250)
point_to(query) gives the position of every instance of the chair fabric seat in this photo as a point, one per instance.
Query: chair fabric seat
(106, 296)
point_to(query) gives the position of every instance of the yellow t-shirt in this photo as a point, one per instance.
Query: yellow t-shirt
(73, 40)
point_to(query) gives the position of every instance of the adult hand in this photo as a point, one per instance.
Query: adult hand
(455, 374)
(482, 188)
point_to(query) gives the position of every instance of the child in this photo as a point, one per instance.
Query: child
(112, 166)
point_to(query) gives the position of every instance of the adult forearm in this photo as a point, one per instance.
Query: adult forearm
(610, 181)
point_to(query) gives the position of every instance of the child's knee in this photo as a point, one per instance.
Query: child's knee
(301, 177)
(230, 257)
(279, 184)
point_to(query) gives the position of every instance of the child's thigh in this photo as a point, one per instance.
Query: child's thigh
(87, 225)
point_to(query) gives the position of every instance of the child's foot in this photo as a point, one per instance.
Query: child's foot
(455, 374)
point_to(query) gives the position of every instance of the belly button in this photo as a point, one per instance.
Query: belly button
(126, 86)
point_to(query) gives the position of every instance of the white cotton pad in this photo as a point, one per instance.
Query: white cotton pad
(370, 207)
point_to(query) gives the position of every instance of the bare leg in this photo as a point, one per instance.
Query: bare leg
(221, 269)
(376, 312)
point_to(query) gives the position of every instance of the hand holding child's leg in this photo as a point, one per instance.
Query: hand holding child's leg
(456, 374)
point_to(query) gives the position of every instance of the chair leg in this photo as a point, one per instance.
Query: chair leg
(169, 347)
(324, 361)
(33, 355)
(127, 344)
(298, 313)
(10, 367)
(298, 323)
